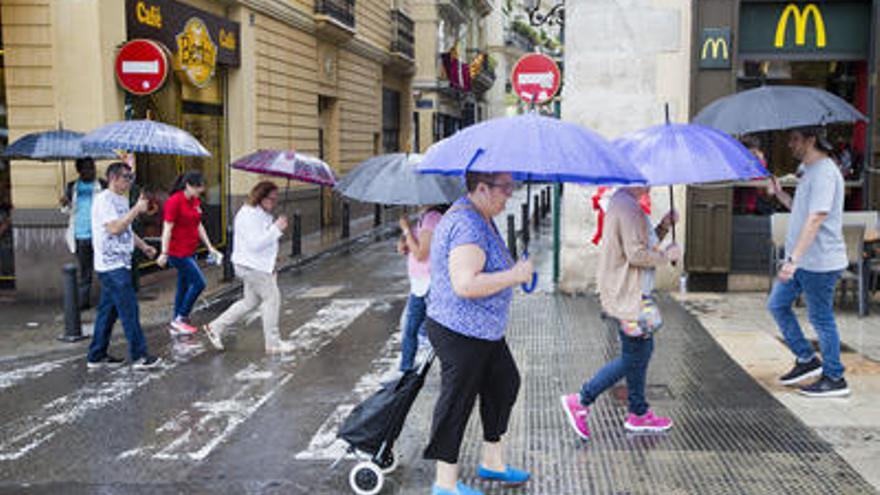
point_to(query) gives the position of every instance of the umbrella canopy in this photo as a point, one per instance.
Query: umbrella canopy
(287, 164)
(669, 154)
(776, 107)
(531, 147)
(144, 136)
(393, 180)
(58, 144)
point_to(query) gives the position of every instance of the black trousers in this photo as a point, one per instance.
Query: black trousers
(85, 257)
(470, 368)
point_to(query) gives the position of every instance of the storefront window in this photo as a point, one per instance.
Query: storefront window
(7, 265)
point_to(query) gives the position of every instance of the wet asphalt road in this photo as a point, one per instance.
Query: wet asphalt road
(208, 422)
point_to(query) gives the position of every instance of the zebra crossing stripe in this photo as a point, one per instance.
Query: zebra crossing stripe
(195, 432)
(14, 377)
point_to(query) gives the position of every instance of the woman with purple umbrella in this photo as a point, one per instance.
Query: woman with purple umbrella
(472, 276)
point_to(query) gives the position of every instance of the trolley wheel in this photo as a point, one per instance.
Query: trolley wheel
(366, 478)
(388, 463)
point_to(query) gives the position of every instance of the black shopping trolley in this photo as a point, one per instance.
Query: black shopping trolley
(373, 426)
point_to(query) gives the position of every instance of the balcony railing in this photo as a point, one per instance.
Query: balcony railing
(340, 10)
(402, 34)
(518, 40)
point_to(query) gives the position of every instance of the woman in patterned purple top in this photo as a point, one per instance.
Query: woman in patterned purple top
(472, 275)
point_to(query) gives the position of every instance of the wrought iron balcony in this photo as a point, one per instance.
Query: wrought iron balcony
(402, 34)
(339, 10)
(518, 40)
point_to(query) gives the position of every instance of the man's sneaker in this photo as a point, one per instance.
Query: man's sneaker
(647, 423)
(147, 362)
(577, 414)
(181, 327)
(802, 371)
(213, 338)
(107, 361)
(826, 387)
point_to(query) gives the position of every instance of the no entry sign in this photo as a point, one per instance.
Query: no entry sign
(141, 66)
(535, 78)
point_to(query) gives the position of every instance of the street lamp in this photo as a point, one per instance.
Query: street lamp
(556, 14)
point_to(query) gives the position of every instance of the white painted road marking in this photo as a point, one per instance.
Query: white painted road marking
(195, 432)
(324, 445)
(16, 376)
(29, 432)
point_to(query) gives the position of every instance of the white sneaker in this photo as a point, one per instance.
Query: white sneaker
(147, 362)
(213, 338)
(180, 327)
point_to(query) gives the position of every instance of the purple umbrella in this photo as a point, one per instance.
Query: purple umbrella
(288, 164)
(531, 148)
(688, 154)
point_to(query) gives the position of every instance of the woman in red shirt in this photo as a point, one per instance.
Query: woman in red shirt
(181, 231)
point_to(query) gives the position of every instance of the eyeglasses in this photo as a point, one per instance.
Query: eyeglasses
(506, 187)
(128, 176)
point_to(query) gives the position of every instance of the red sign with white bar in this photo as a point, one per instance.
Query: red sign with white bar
(535, 78)
(141, 66)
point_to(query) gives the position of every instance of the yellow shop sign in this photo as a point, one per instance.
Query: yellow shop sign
(196, 52)
(800, 25)
(227, 39)
(149, 15)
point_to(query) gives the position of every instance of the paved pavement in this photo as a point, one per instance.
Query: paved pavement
(243, 423)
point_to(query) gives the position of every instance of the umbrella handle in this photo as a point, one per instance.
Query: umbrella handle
(529, 287)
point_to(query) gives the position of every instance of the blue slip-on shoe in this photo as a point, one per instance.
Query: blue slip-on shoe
(509, 475)
(460, 489)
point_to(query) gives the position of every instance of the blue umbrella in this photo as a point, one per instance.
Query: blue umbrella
(144, 136)
(392, 179)
(52, 145)
(688, 154)
(532, 148)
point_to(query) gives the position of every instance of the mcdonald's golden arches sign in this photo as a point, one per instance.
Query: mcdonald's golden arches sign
(715, 50)
(818, 30)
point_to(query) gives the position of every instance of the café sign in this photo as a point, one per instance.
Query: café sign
(196, 53)
(200, 40)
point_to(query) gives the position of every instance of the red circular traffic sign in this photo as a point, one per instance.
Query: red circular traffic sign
(141, 66)
(535, 78)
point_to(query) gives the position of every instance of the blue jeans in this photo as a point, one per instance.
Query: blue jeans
(118, 300)
(190, 283)
(632, 364)
(818, 291)
(416, 311)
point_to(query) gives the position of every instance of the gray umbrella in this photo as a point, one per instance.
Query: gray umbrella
(393, 180)
(52, 145)
(775, 108)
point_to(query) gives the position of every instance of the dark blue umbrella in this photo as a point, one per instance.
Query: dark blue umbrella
(52, 145)
(532, 148)
(144, 136)
(688, 154)
(769, 108)
(392, 179)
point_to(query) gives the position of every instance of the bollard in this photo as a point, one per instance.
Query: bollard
(296, 246)
(377, 216)
(537, 218)
(228, 270)
(525, 223)
(72, 322)
(544, 203)
(511, 235)
(346, 217)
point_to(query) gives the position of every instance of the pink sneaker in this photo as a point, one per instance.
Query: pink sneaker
(180, 327)
(647, 423)
(577, 414)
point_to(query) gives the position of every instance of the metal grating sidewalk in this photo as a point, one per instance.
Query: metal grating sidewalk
(730, 436)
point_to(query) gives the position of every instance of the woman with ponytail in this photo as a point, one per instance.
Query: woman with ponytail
(182, 230)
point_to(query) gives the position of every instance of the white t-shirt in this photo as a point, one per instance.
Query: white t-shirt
(111, 251)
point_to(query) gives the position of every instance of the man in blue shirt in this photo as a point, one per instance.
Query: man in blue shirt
(815, 258)
(77, 203)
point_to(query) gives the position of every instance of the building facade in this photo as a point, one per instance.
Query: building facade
(454, 71)
(331, 78)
